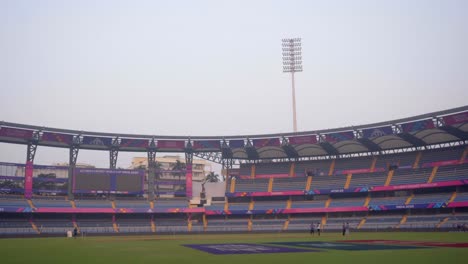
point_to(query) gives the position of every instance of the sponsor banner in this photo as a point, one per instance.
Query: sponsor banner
(377, 132)
(193, 210)
(456, 118)
(12, 190)
(256, 194)
(327, 191)
(49, 191)
(12, 178)
(419, 185)
(440, 163)
(11, 209)
(362, 189)
(97, 141)
(134, 143)
(238, 143)
(188, 181)
(266, 142)
(171, 144)
(206, 144)
(62, 180)
(174, 210)
(109, 171)
(124, 210)
(406, 206)
(16, 133)
(244, 177)
(458, 204)
(28, 180)
(224, 249)
(8, 209)
(47, 167)
(253, 212)
(119, 210)
(217, 212)
(299, 140)
(417, 126)
(12, 164)
(341, 136)
(74, 210)
(105, 192)
(325, 210)
(65, 139)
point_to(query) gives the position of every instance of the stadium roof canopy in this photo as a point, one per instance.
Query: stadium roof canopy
(443, 127)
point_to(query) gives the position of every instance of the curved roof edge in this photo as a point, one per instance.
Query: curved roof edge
(391, 122)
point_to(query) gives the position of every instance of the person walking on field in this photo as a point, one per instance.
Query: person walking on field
(318, 228)
(312, 229)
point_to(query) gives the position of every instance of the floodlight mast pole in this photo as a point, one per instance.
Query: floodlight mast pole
(292, 62)
(294, 103)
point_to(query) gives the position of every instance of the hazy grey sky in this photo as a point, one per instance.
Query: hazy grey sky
(215, 67)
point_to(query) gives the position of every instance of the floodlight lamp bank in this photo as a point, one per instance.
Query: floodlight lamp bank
(295, 44)
(291, 39)
(292, 49)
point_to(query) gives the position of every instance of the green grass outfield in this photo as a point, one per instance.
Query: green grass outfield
(168, 249)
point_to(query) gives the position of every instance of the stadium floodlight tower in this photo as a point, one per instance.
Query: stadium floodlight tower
(292, 62)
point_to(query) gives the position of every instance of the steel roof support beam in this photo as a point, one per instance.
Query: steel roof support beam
(226, 153)
(412, 140)
(290, 151)
(369, 144)
(211, 156)
(252, 153)
(455, 132)
(329, 148)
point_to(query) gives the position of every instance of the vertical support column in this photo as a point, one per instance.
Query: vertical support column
(374, 161)
(188, 174)
(205, 222)
(71, 168)
(418, 158)
(113, 154)
(151, 172)
(308, 183)
(433, 174)
(292, 169)
(348, 180)
(270, 184)
(252, 171)
(28, 170)
(226, 166)
(389, 177)
(233, 185)
(332, 168)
